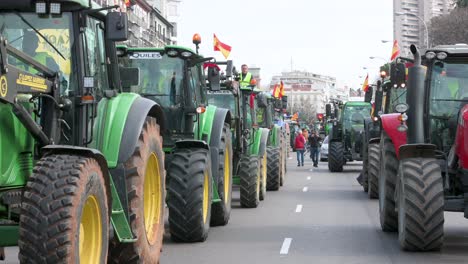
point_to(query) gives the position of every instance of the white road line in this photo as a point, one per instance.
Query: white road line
(305, 189)
(308, 178)
(285, 247)
(299, 208)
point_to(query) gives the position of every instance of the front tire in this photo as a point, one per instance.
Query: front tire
(189, 195)
(274, 169)
(64, 212)
(387, 183)
(145, 191)
(336, 158)
(221, 211)
(373, 170)
(420, 205)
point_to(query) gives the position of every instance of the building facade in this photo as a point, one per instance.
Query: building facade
(411, 28)
(307, 92)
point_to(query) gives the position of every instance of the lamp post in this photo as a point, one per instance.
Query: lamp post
(420, 19)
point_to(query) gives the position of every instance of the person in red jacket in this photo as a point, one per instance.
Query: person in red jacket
(299, 144)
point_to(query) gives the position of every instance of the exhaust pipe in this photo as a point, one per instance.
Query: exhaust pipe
(415, 99)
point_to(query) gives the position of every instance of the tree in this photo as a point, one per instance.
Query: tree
(451, 28)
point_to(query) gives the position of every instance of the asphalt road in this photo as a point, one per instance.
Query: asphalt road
(317, 217)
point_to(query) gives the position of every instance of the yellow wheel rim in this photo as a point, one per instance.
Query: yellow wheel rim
(206, 196)
(227, 173)
(264, 171)
(152, 197)
(90, 232)
(259, 177)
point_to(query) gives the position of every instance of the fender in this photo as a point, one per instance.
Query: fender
(84, 152)
(206, 123)
(417, 151)
(390, 123)
(461, 140)
(119, 123)
(273, 139)
(263, 141)
(221, 116)
(189, 143)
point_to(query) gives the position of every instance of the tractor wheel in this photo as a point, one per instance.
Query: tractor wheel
(373, 170)
(263, 173)
(65, 212)
(221, 211)
(189, 195)
(145, 191)
(335, 156)
(274, 169)
(365, 166)
(285, 169)
(249, 174)
(387, 183)
(420, 205)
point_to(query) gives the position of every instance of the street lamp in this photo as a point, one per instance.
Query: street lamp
(375, 57)
(420, 19)
(385, 41)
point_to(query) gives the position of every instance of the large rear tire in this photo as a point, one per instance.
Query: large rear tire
(387, 183)
(64, 212)
(189, 195)
(373, 170)
(250, 175)
(221, 211)
(336, 156)
(145, 191)
(274, 168)
(420, 205)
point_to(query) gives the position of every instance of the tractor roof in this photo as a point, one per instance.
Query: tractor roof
(355, 103)
(155, 49)
(456, 50)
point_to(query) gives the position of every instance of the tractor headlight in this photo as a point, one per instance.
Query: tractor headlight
(401, 108)
(430, 55)
(55, 8)
(172, 53)
(41, 8)
(441, 55)
(402, 128)
(186, 54)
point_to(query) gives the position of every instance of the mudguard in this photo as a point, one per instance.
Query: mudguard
(390, 124)
(263, 141)
(118, 125)
(417, 151)
(206, 124)
(221, 116)
(461, 140)
(273, 139)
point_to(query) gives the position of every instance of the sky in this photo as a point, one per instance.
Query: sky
(334, 38)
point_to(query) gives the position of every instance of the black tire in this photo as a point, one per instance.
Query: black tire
(62, 192)
(387, 183)
(263, 160)
(145, 166)
(420, 205)
(273, 169)
(335, 156)
(249, 174)
(221, 211)
(189, 178)
(373, 170)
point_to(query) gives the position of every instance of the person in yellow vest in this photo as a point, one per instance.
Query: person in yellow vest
(245, 76)
(30, 45)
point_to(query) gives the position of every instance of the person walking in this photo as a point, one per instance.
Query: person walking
(299, 144)
(314, 140)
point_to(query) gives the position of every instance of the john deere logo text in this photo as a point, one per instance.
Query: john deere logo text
(35, 82)
(3, 86)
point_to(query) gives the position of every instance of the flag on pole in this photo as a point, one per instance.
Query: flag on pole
(220, 46)
(278, 91)
(365, 85)
(395, 50)
(281, 89)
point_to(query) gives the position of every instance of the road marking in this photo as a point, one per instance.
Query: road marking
(285, 247)
(308, 178)
(305, 189)
(299, 208)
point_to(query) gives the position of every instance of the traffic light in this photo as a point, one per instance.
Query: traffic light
(320, 116)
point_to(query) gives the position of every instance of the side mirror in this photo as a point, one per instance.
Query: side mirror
(116, 26)
(129, 77)
(229, 68)
(397, 74)
(328, 111)
(214, 79)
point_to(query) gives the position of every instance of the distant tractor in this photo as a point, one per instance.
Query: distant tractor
(430, 143)
(345, 136)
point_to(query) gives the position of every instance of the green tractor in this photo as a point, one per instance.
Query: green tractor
(82, 166)
(345, 135)
(250, 140)
(197, 138)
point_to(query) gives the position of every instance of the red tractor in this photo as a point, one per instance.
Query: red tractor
(425, 150)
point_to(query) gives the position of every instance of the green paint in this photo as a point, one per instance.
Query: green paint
(216, 198)
(119, 219)
(206, 124)
(9, 235)
(255, 141)
(110, 122)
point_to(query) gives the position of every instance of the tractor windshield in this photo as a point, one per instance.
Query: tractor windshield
(19, 32)
(354, 115)
(448, 92)
(161, 77)
(397, 96)
(223, 99)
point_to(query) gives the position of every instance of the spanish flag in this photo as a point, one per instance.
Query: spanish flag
(278, 91)
(395, 50)
(281, 89)
(365, 85)
(219, 46)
